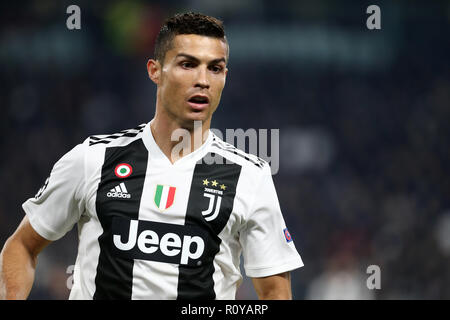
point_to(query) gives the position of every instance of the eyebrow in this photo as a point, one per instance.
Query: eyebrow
(197, 60)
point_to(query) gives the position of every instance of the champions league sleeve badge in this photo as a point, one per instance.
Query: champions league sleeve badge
(287, 235)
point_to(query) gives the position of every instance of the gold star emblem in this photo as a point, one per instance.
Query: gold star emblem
(223, 187)
(214, 183)
(205, 182)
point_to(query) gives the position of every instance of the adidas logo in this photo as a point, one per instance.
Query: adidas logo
(119, 191)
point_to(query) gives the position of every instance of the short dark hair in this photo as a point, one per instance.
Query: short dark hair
(187, 23)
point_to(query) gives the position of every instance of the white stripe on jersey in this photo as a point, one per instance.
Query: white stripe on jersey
(154, 280)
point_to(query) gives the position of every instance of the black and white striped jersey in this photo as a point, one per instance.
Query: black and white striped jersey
(150, 229)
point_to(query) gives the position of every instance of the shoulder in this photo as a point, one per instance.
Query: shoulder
(249, 162)
(91, 151)
(120, 138)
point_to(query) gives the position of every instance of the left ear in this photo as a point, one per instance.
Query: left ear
(154, 70)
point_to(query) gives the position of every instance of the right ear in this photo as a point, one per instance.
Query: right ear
(154, 70)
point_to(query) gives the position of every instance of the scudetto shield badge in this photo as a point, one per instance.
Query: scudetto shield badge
(164, 196)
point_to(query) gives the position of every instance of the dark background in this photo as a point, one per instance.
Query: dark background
(363, 118)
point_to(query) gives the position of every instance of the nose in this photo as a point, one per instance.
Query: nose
(202, 80)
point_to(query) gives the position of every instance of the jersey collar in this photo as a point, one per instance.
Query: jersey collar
(156, 154)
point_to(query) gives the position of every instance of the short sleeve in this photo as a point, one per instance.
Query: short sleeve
(59, 204)
(267, 246)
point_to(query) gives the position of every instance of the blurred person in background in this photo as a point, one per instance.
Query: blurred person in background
(342, 278)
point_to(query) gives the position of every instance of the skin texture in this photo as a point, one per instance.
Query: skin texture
(276, 287)
(194, 65)
(18, 261)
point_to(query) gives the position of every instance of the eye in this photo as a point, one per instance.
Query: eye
(187, 64)
(216, 69)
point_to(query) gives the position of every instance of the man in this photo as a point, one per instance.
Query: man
(153, 224)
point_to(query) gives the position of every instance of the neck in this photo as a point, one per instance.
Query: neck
(178, 140)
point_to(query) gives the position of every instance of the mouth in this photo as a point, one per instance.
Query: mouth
(198, 102)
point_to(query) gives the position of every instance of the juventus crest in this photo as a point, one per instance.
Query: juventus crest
(213, 210)
(215, 199)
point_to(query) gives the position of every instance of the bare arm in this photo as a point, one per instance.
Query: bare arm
(18, 261)
(276, 287)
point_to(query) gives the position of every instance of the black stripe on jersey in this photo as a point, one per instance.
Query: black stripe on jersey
(258, 162)
(196, 282)
(114, 278)
(124, 133)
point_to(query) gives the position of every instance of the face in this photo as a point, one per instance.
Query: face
(191, 80)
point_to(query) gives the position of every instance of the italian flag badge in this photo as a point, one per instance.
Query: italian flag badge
(164, 196)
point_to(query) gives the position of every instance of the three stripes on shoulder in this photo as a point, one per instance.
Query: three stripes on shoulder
(105, 139)
(257, 161)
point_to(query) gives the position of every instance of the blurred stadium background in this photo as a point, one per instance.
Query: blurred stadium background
(363, 118)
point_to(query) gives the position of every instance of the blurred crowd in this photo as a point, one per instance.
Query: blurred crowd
(364, 142)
